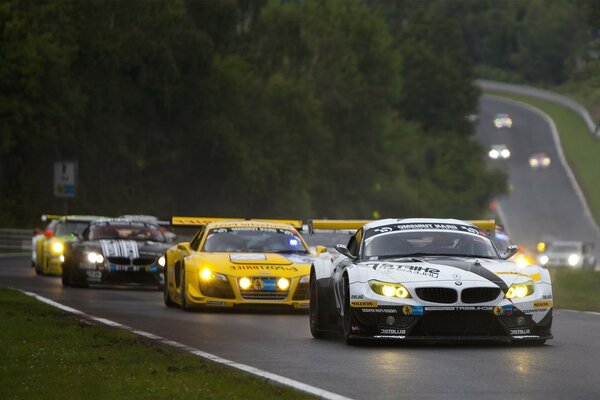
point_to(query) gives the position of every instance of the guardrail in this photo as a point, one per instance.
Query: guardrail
(15, 238)
(545, 95)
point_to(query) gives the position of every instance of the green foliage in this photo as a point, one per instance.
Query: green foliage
(238, 108)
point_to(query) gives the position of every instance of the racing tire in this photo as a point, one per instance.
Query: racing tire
(166, 295)
(347, 317)
(314, 309)
(183, 305)
(64, 276)
(72, 281)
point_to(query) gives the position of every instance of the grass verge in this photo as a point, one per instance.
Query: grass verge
(581, 149)
(47, 353)
(576, 289)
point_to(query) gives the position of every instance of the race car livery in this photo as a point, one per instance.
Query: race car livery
(428, 279)
(232, 263)
(50, 246)
(116, 251)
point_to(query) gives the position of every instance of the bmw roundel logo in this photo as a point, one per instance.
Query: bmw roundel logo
(458, 283)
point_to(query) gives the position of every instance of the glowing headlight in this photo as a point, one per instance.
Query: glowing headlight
(519, 290)
(57, 247)
(389, 289)
(573, 260)
(206, 274)
(544, 259)
(493, 154)
(533, 162)
(245, 283)
(283, 283)
(541, 246)
(94, 257)
(162, 261)
(305, 279)
(505, 153)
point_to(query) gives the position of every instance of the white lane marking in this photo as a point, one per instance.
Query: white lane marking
(561, 155)
(303, 387)
(577, 311)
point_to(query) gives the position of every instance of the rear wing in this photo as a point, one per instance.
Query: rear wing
(201, 221)
(74, 218)
(355, 224)
(485, 224)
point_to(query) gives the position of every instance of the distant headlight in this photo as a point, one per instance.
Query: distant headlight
(389, 289)
(519, 290)
(573, 260)
(505, 153)
(533, 162)
(161, 261)
(96, 258)
(57, 248)
(493, 154)
(305, 279)
(544, 260)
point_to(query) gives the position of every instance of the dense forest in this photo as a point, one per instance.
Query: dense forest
(342, 108)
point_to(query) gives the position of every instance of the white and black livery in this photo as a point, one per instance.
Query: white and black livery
(428, 279)
(116, 251)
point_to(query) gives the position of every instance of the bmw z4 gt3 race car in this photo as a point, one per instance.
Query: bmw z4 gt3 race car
(428, 279)
(116, 251)
(231, 262)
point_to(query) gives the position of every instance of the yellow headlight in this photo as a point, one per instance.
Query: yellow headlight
(283, 283)
(389, 289)
(519, 290)
(57, 247)
(245, 283)
(205, 274)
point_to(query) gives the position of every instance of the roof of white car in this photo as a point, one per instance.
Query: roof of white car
(389, 221)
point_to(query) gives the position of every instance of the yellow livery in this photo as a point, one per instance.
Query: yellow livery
(232, 262)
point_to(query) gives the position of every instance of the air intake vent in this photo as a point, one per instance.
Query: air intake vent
(437, 295)
(479, 295)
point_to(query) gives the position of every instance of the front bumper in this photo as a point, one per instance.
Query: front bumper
(112, 274)
(448, 323)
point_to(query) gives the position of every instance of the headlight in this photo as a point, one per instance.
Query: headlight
(245, 283)
(94, 257)
(161, 261)
(389, 289)
(305, 279)
(493, 154)
(505, 153)
(544, 260)
(533, 162)
(522, 261)
(518, 290)
(283, 283)
(57, 247)
(573, 260)
(206, 275)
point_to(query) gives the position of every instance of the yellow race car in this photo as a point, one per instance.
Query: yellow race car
(51, 245)
(233, 262)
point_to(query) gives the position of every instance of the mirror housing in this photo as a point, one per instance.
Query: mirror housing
(510, 251)
(184, 246)
(320, 249)
(343, 250)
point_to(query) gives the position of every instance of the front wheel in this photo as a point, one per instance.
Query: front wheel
(64, 276)
(314, 311)
(184, 305)
(166, 295)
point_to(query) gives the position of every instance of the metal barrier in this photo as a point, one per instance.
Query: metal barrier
(15, 239)
(545, 95)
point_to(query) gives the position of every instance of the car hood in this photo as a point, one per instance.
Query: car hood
(254, 263)
(126, 248)
(436, 269)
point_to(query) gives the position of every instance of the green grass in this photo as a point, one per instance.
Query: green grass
(576, 289)
(46, 353)
(580, 147)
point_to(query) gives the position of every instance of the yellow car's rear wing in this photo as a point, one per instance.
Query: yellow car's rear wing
(50, 217)
(335, 224)
(77, 218)
(201, 221)
(485, 224)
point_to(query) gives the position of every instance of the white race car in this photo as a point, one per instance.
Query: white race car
(427, 279)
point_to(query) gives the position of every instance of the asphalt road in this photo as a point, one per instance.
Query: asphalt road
(566, 367)
(542, 203)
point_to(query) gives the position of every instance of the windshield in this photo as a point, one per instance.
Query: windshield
(254, 240)
(398, 244)
(562, 248)
(67, 228)
(125, 231)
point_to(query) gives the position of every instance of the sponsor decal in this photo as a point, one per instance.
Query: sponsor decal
(258, 284)
(512, 273)
(407, 227)
(363, 303)
(411, 269)
(389, 337)
(247, 257)
(392, 331)
(526, 337)
(547, 297)
(120, 248)
(519, 331)
(410, 310)
(464, 308)
(536, 277)
(357, 296)
(94, 276)
(259, 268)
(87, 266)
(535, 310)
(379, 310)
(215, 303)
(542, 303)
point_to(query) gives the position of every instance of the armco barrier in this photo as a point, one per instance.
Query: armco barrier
(15, 238)
(545, 95)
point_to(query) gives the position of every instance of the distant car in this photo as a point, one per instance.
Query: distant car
(573, 254)
(472, 117)
(539, 160)
(503, 120)
(170, 237)
(502, 243)
(116, 251)
(499, 151)
(50, 246)
(428, 279)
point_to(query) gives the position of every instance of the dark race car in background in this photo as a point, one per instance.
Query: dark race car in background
(116, 251)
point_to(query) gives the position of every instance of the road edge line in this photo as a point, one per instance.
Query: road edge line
(579, 311)
(271, 377)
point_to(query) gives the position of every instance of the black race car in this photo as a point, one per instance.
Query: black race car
(116, 251)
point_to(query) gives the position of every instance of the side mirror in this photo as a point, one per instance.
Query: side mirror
(510, 251)
(48, 234)
(343, 250)
(320, 249)
(185, 246)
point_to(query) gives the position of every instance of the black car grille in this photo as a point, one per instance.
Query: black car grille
(301, 292)
(437, 295)
(132, 277)
(144, 261)
(458, 323)
(261, 294)
(479, 295)
(119, 260)
(131, 261)
(217, 288)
